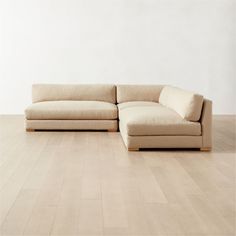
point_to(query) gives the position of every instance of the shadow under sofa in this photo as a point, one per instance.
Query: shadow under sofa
(148, 116)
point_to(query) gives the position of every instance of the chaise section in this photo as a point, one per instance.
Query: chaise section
(169, 118)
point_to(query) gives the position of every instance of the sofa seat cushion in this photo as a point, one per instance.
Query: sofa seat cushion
(136, 104)
(150, 118)
(71, 110)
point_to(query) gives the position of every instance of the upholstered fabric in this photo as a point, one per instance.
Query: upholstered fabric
(128, 93)
(151, 116)
(125, 105)
(77, 92)
(206, 123)
(187, 104)
(155, 119)
(135, 142)
(71, 110)
(110, 125)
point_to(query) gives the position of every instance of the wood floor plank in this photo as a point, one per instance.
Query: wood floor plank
(86, 183)
(40, 221)
(12, 187)
(214, 222)
(39, 172)
(66, 221)
(114, 210)
(151, 192)
(162, 220)
(137, 219)
(19, 214)
(90, 189)
(90, 218)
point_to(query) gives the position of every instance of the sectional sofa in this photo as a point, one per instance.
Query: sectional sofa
(147, 116)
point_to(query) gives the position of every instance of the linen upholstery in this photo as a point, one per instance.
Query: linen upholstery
(125, 105)
(71, 110)
(154, 119)
(206, 124)
(71, 124)
(151, 116)
(153, 141)
(82, 92)
(128, 93)
(187, 104)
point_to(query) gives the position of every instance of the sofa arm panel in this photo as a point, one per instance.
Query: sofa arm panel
(206, 124)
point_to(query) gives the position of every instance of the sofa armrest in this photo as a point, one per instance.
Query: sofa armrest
(206, 124)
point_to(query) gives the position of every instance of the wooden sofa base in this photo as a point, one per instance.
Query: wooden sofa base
(205, 149)
(133, 149)
(29, 130)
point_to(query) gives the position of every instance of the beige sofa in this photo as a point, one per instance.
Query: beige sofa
(149, 116)
(72, 107)
(163, 117)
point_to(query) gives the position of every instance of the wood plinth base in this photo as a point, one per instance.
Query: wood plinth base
(30, 130)
(111, 130)
(205, 149)
(133, 149)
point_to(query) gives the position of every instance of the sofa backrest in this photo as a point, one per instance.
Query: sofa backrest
(77, 92)
(129, 93)
(185, 103)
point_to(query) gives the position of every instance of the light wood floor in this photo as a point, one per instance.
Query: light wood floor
(86, 183)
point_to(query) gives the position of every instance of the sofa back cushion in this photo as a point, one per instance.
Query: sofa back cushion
(76, 92)
(129, 93)
(187, 104)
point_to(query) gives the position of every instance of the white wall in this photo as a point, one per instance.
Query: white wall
(187, 43)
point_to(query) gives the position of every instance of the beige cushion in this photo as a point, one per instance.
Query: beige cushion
(135, 104)
(187, 104)
(155, 119)
(71, 110)
(128, 93)
(75, 92)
